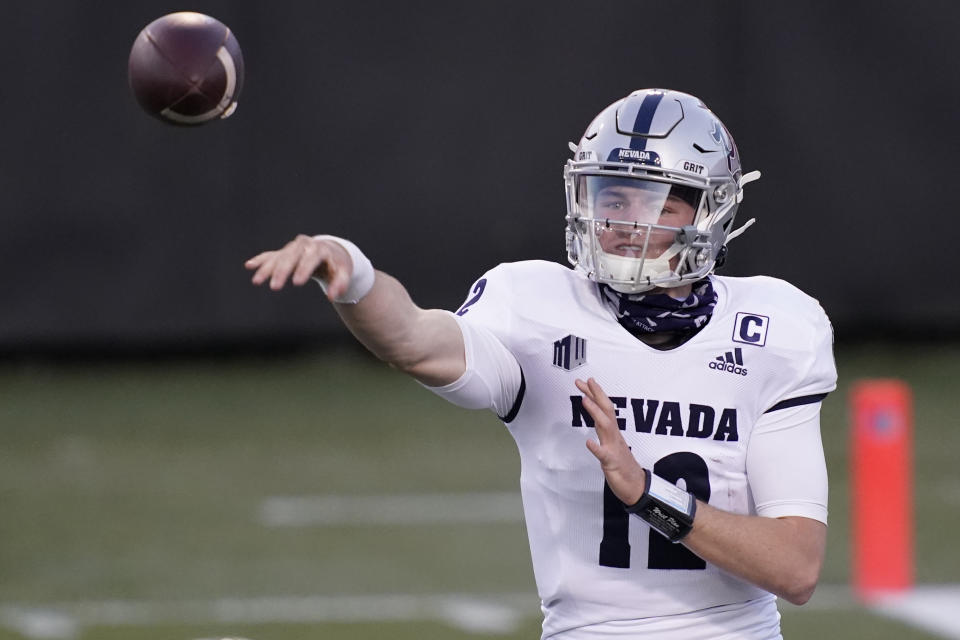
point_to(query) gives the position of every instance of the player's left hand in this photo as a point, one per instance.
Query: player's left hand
(624, 474)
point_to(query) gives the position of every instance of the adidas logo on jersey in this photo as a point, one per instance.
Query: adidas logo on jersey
(731, 362)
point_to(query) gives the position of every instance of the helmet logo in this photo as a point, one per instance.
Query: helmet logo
(722, 137)
(636, 156)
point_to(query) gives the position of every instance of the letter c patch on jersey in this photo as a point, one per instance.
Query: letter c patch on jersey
(751, 328)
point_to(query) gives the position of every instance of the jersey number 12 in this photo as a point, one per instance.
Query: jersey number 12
(661, 553)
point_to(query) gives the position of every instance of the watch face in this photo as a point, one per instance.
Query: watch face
(669, 494)
(666, 508)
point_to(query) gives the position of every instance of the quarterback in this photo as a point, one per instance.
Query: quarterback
(667, 418)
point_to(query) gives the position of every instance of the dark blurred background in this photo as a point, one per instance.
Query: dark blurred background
(434, 135)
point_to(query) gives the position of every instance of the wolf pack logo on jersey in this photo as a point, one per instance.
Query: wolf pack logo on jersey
(731, 361)
(569, 352)
(637, 156)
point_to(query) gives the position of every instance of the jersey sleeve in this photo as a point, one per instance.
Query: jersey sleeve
(817, 373)
(785, 464)
(493, 378)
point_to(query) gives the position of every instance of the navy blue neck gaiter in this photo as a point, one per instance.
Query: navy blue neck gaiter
(644, 313)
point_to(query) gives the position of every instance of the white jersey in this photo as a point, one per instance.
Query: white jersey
(695, 415)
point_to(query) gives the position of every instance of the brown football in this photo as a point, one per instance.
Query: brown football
(186, 68)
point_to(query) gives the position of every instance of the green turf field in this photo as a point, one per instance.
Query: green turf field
(131, 502)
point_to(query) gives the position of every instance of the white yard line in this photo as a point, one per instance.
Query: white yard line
(496, 614)
(399, 509)
(933, 608)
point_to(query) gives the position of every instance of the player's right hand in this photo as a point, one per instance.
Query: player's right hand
(302, 258)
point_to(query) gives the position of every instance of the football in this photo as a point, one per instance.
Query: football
(186, 69)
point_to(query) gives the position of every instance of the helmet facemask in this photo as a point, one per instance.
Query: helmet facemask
(638, 232)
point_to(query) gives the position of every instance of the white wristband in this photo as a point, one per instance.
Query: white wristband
(361, 278)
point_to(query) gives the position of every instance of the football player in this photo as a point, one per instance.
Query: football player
(686, 493)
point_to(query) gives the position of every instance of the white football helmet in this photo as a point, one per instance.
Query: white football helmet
(652, 191)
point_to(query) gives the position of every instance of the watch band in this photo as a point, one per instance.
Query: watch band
(666, 507)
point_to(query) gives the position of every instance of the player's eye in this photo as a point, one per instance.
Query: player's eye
(612, 204)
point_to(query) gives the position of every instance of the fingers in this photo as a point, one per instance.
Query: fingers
(600, 397)
(297, 262)
(600, 408)
(597, 450)
(623, 473)
(257, 260)
(312, 256)
(285, 261)
(329, 262)
(338, 280)
(263, 264)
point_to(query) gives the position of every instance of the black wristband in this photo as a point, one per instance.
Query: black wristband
(666, 507)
